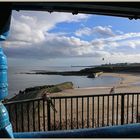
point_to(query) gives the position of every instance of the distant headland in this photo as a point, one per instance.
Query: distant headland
(92, 71)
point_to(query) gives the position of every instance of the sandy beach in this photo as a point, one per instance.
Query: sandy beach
(125, 85)
(98, 111)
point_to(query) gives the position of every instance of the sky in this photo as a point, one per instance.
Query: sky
(62, 39)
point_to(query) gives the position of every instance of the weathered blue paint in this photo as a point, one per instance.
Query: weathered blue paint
(4, 118)
(3, 75)
(4, 36)
(122, 131)
(5, 125)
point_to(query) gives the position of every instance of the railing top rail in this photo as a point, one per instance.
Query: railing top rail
(95, 95)
(75, 96)
(23, 101)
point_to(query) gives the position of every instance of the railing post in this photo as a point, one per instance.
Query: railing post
(122, 109)
(48, 115)
(49, 100)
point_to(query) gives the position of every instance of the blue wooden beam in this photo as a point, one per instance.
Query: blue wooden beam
(121, 131)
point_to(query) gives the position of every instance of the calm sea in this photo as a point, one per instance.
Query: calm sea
(18, 81)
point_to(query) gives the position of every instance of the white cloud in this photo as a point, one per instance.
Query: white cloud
(113, 40)
(103, 31)
(29, 34)
(84, 31)
(123, 36)
(128, 40)
(123, 57)
(29, 39)
(23, 32)
(30, 26)
(54, 46)
(130, 43)
(99, 30)
(98, 44)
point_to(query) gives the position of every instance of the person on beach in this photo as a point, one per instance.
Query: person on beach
(47, 97)
(112, 90)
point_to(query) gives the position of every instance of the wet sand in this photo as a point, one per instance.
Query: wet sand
(98, 111)
(125, 85)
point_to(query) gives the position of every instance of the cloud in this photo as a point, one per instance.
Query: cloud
(123, 57)
(52, 47)
(29, 34)
(45, 20)
(83, 31)
(123, 36)
(109, 39)
(98, 30)
(30, 26)
(30, 38)
(125, 41)
(56, 46)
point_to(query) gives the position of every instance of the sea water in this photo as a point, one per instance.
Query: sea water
(18, 81)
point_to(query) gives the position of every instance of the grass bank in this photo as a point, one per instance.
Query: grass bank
(37, 91)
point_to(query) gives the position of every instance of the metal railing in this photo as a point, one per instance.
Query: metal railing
(73, 112)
